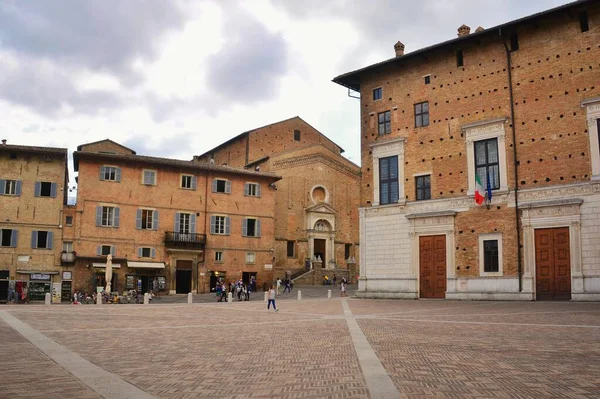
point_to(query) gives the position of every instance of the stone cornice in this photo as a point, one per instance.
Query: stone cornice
(315, 158)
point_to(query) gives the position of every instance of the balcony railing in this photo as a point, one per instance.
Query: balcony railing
(184, 240)
(67, 257)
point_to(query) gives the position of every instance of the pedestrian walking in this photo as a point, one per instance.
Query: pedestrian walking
(343, 289)
(272, 293)
(278, 284)
(288, 287)
(334, 280)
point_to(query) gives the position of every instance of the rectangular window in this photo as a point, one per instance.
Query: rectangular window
(423, 187)
(145, 252)
(10, 187)
(218, 256)
(185, 223)
(252, 189)
(347, 251)
(427, 79)
(108, 216)
(110, 173)
(147, 219)
(486, 162)
(219, 224)
(69, 220)
(490, 256)
(105, 249)
(296, 135)
(384, 122)
(67, 246)
(422, 114)
(377, 94)
(459, 58)
(250, 257)
(388, 180)
(583, 21)
(290, 249)
(150, 177)
(251, 227)
(221, 186)
(514, 42)
(42, 239)
(188, 182)
(8, 238)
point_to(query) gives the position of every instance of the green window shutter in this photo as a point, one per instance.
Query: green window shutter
(258, 194)
(102, 172)
(213, 224)
(34, 236)
(194, 182)
(245, 227)
(155, 220)
(227, 225)
(117, 211)
(14, 238)
(53, 190)
(214, 185)
(118, 174)
(257, 228)
(18, 188)
(246, 189)
(228, 187)
(193, 223)
(38, 189)
(138, 219)
(98, 216)
(49, 240)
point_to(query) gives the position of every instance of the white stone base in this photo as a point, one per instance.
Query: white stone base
(172, 292)
(385, 295)
(491, 296)
(586, 296)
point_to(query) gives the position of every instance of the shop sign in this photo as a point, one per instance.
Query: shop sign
(162, 283)
(268, 266)
(67, 275)
(39, 276)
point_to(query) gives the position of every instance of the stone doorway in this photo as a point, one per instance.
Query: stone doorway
(320, 250)
(552, 264)
(432, 266)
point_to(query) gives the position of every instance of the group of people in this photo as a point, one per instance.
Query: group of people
(237, 289)
(18, 293)
(81, 297)
(289, 285)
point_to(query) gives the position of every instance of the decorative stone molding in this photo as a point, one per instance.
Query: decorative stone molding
(592, 107)
(383, 149)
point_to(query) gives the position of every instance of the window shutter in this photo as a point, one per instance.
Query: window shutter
(14, 238)
(214, 185)
(155, 221)
(34, 235)
(257, 228)
(118, 174)
(153, 252)
(53, 190)
(194, 183)
(258, 190)
(140, 252)
(227, 225)
(113, 250)
(102, 172)
(138, 219)
(98, 216)
(245, 227)
(38, 188)
(193, 223)
(213, 224)
(117, 211)
(99, 250)
(2, 186)
(246, 189)
(176, 222)
(228, 187)
(49, 240)
(18, 188)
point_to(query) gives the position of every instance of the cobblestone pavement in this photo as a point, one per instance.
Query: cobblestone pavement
(428, 349)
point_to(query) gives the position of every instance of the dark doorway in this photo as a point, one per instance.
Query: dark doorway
(3, 290)
(183, 277)
(246, 276)
(320, 246)
(214, 277)
(432, 266)
(553, 264)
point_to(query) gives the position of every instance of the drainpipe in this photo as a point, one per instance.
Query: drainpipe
(205, 228)
(515, 166)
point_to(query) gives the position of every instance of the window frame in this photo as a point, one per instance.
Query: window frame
(103, 246)
(105, 171)
(108, 216)
(592, 113)
(149, 214)
(420, 115)
(13, 238)
(256, 233)
(388, 182)
(37, 237)
(149, 250)
(487, 165)
(347, 251)
(219, 257)
(584, 21)
(226, 187)
(192, 182)
(250, 257)
(297, 135)
(428, 186)
(482, 239)
(379, 91)
(386, 123)
(8, 184)
(67, 246)
(291, 244)
(220, 226)
(69, 220)
(427, 79)
(154, 177)
(250, 187)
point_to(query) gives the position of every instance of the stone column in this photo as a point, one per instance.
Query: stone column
(311, 248)
(575, 247)
(528, 257)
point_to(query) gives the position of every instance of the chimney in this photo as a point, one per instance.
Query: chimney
(463, 30)
(3, 141)
(399, 47)
(479, 29)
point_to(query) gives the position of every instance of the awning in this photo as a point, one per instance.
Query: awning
(146, 265)
(34, 272)
(99, 264)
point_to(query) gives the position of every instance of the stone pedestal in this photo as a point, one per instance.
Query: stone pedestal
(190, 299)
(47, 299)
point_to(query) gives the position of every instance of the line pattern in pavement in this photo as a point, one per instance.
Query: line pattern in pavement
(106, 384)
(378, 381)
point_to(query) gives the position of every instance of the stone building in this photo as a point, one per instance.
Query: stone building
(176, 223)
(517, 105)
(317, 198)
(33, 190)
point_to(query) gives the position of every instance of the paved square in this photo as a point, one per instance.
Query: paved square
(311, 348)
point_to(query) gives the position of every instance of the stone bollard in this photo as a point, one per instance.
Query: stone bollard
(229, 297)
(98, 299)
(266, 296)
(190, 299)
(48, 299)
(146, 299)
(299, 295)
(328, 294)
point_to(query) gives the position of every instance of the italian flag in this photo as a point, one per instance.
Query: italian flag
(479, 193)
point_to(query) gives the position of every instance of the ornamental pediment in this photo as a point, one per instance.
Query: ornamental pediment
(321, 208)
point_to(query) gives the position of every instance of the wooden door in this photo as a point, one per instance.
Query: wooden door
(552, 264)
(432, 266)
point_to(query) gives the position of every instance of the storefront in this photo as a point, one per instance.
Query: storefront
(39, 284)
(145, 276)
(100, 277)
(66, 289)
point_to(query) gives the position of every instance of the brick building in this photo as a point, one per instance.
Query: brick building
(177, 223)
(517, 105)
(316, 209)
(33, 183)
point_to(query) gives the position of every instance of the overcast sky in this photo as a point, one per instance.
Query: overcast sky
(174, 78)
